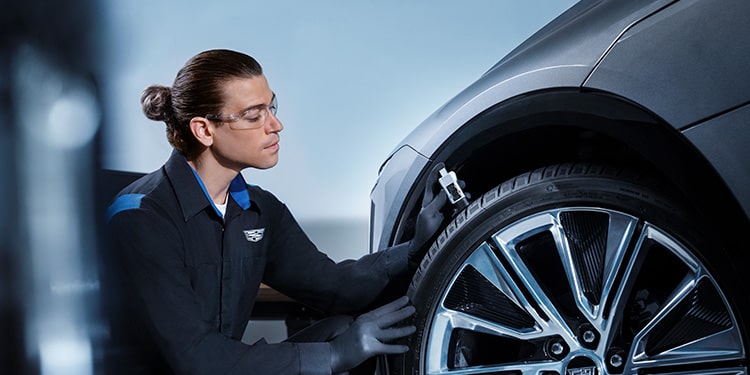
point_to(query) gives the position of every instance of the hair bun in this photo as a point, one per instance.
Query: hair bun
(156, 101)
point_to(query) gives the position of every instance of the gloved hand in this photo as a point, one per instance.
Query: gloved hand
(430, 217)
(367, 335)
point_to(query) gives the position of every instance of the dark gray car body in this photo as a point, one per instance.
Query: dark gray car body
(656, 85)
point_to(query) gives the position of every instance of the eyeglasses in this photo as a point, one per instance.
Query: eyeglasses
(252, 118)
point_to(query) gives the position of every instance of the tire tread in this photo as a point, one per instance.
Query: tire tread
(519, 182)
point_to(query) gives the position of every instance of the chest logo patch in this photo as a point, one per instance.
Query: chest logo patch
(254, 235)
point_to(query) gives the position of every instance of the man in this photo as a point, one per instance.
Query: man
(197, 241)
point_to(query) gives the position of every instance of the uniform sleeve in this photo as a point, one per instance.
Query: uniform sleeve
(150, 249)
(298, 269)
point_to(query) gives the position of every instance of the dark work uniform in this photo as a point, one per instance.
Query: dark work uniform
(197, 274)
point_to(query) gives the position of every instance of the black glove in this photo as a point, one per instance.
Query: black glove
(430, 217)
(367, 335)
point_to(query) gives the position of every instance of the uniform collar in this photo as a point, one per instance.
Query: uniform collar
(192, 193)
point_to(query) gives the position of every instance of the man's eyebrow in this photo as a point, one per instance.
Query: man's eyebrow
(250, 108)
(258, 106)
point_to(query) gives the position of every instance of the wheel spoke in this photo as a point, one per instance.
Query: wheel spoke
(482, 298)
(454, 320)
(510, 241)
(517, 313)
(516, 368)
(694, 327)
(717, 371)
(593, 244)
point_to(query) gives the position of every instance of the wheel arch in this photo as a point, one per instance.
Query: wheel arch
(573, 125)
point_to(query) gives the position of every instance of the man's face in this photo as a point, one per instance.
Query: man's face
(250, 141)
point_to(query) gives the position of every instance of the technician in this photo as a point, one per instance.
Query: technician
(196, 240)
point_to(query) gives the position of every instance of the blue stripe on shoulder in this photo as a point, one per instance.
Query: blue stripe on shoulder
(122, 203)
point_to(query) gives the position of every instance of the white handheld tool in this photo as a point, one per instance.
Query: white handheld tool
(449, 182)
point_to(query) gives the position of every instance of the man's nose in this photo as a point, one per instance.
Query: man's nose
(274, 124)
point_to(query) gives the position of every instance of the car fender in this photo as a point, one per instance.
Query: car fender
(536, 65)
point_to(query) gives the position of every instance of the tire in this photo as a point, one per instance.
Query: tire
(574, 269)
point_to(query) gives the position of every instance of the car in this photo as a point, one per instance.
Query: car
(607, 166)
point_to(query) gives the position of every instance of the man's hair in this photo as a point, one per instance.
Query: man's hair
(196, 91)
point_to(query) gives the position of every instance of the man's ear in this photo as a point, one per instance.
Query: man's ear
(202, 130)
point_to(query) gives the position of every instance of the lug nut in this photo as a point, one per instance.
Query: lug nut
(589, 337)
(557, 348)
(615, 360)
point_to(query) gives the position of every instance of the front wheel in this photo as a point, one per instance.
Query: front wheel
(575, 269)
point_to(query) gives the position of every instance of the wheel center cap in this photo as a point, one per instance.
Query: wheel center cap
(582, 366)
